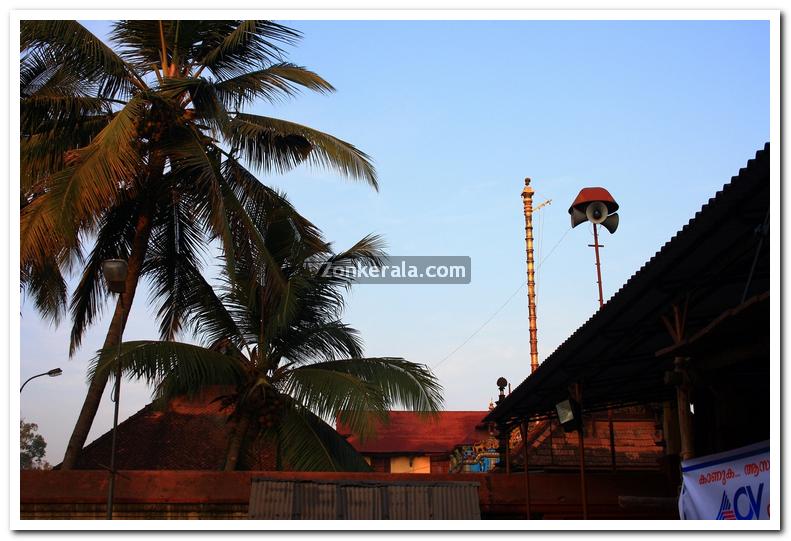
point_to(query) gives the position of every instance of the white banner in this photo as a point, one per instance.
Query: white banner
(733, 485)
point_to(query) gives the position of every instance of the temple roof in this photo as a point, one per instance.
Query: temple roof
(409, 432)
(186, 434)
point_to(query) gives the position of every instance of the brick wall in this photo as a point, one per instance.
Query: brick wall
(81, 494)
(635, 443)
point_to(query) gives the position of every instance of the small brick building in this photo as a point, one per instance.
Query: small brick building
(458, 442)
(637, 435)
(413, 442)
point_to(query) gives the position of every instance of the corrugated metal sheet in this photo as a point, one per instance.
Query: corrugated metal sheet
(275, 499)
(410, 502)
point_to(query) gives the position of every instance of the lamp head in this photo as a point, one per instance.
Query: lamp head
(565, 411)
(115, 271)
(54, 372)
(569, 414)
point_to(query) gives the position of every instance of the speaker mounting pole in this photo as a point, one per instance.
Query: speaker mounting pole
(596, 247)
(597, 206)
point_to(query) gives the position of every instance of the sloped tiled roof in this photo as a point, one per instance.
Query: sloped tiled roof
(409, 432)
(188, 434)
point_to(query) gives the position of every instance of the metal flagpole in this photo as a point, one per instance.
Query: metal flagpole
(527, 199)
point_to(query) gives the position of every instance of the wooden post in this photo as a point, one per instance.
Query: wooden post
(504, 464)
(670, 428)
(677, 330)
(577, 395)
(525, 426)
(612, 438)
(583, 488)
(596, 247)
(684, 414)
(527, 200)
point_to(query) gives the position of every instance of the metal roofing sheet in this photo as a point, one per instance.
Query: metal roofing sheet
(275, 499)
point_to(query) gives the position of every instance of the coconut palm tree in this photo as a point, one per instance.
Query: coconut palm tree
(140, 146)
(291, 361)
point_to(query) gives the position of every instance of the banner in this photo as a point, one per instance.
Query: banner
(733, 485)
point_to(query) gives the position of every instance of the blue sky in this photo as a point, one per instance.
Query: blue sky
(455, 115)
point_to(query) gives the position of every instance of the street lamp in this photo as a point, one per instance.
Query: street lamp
(115, 274)
(115, 271)
(502, 383)
(52, 373)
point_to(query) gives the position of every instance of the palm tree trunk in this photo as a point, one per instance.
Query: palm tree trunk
(235, 445)
(96, 388)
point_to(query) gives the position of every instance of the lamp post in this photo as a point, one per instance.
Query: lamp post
(503, 432)
(115, 275)
(52, 373)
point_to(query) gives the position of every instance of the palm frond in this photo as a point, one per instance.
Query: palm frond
(174, 262)
(208, 107)
(331, 394)
(52, 92)
(338, 269)
(309, 338)
(174, 368)
(113, 241)
(402, 383)
(41, 239)
(139, 41)
(247, 234)
(97, 173)
(310, 444)
(37, 68)
(272, 144)
(212, 319)
(195, 163)
(47, 286)
(271, 83)
(75, 46)
(260, 200)
(43, 150)
(59, 108)
(247, 43)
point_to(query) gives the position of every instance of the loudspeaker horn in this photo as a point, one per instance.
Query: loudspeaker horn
(577, 217)
(611, 223)
(596, 212)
